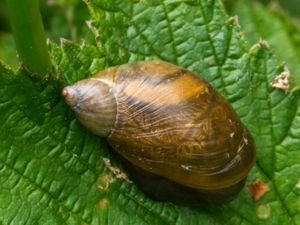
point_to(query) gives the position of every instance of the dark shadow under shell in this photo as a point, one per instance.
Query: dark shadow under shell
(162, 189)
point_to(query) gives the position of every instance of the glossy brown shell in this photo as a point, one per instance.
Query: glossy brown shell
(177, 136)
(172, 123)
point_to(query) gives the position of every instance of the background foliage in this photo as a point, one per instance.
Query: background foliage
(52, 170)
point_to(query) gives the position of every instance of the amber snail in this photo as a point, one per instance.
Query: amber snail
(177, 136)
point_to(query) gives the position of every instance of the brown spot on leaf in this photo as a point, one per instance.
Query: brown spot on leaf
(257, 189)
(282, 81)
(263, 211)
(103, 181)
(116, 171)
(103, 203)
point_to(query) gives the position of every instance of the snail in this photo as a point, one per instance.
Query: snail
(177, 136)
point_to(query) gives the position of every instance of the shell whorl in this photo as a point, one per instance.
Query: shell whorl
(94, 103)
(168, 124)
(171, 122)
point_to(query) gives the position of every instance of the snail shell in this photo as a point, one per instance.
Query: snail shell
(179, 138)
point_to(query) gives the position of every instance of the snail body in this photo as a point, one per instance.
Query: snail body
(178, 137)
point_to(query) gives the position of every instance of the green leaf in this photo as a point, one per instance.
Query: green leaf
(52, 170)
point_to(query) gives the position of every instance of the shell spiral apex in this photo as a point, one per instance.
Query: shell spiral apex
(71, 96)
(94, 104)
(178, 137)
